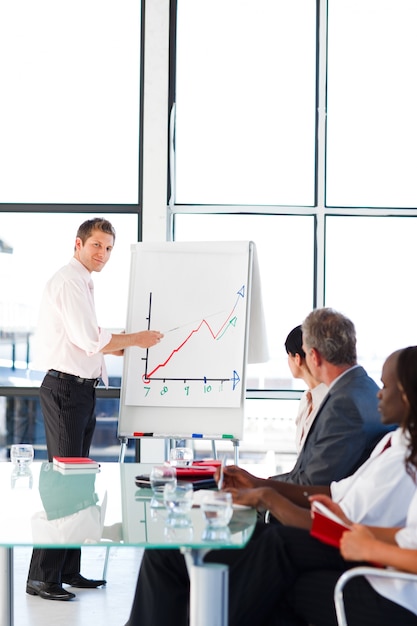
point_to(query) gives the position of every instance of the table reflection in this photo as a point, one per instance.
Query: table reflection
(21, 477)
(71, 513)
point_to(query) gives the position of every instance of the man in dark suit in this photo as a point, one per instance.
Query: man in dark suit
(347, 425)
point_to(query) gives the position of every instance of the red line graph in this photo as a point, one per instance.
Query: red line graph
(216, 335)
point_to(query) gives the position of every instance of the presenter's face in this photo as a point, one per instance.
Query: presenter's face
(95, 252)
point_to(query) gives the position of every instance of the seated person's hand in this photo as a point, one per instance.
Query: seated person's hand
(332, 506)
(357, 544)
(236, 477)
(249, 497)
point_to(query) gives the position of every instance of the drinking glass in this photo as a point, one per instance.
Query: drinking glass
(21, 454)
(178, 499)
(160, 476)
(181, 457)
(217, 508)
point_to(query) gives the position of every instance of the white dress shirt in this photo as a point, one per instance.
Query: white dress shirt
(380, 491)
(400, 591)
(68, 337)
(309, 405)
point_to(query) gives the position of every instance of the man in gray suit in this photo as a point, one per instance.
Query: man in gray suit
(347, 425)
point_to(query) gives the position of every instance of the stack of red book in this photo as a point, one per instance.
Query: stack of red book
(75, 464)
(199, 470)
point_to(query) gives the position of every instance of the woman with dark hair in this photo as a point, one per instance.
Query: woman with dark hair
(311, 399)
(407, 374)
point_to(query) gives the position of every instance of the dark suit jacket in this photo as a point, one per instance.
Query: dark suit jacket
(343, 434)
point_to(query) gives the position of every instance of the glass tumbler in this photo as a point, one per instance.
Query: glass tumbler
(181, 457)
(21, 455)
(217, 508)
(160, 476)
(178, 499)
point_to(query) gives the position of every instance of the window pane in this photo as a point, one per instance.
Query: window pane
(69, 110)
(372, 103)
(245, 95)
(37, 245)
(285, 249)
(369, 266)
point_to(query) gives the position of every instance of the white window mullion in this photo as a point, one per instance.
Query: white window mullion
(155, 120)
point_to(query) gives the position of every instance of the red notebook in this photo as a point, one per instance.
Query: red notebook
(198, 470)
(75, 462)
(327, 526)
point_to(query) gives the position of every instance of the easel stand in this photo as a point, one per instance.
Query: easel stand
(170, 443)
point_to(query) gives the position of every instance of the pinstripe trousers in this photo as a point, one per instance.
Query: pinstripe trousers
(69, 416)
(283, 577)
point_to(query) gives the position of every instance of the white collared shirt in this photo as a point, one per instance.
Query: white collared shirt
(305, 416)
(400, 591)
(68, 337)
(380, 491)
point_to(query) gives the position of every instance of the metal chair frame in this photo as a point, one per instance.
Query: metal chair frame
(363, 571)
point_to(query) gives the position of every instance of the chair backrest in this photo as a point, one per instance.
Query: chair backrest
(362, 571)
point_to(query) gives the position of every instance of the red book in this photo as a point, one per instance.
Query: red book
(75, 462)
(327, 526)
(198, 470)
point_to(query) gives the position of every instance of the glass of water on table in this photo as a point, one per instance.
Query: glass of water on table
(217, 508)
(178, 500)
(160, 476)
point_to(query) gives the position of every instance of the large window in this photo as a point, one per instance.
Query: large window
(372, 103)
(69, 109)
(245, 102)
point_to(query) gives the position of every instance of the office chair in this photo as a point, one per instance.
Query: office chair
(363, 571)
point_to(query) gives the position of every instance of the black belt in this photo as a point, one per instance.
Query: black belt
(94, 382)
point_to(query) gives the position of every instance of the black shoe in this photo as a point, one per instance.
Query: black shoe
(48, 591)
(76, 580)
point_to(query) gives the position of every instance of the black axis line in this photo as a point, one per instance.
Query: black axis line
(185, 380)
(149, 327)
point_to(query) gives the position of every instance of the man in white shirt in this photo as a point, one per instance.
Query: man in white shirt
(71, 347)
(379, 492)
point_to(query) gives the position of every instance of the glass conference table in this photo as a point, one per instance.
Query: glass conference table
(43, 507)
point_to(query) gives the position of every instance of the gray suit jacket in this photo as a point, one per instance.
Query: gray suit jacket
(343, 434)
